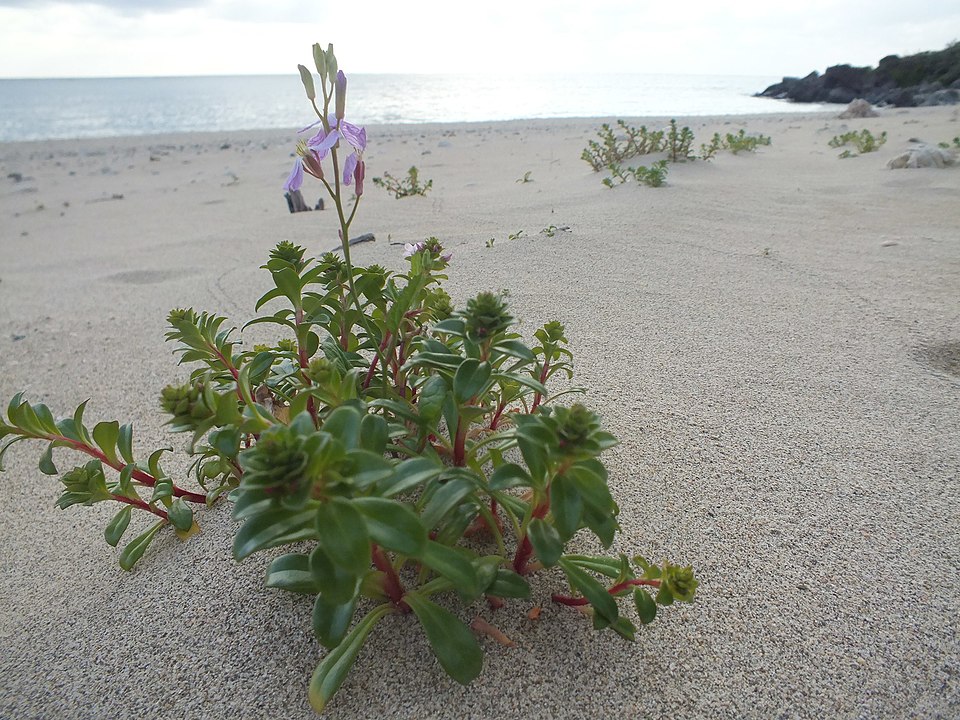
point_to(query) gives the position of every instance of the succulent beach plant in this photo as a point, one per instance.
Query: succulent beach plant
(393, 454)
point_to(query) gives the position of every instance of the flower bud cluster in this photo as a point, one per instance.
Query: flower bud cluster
(187, 404)
(680, 581)
(486, 315)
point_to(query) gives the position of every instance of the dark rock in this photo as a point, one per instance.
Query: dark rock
(942, 97)
(842, 95)
(927, 78)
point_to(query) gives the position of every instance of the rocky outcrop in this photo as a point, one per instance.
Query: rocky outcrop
(930, 78)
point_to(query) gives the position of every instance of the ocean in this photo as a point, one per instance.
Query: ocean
(32, 109)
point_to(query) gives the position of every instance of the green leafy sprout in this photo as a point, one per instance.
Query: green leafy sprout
(404, 187)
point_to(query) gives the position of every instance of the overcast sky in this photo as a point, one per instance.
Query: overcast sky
(42, 38)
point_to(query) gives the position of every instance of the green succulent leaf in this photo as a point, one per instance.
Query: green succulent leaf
(134, 550)
(333, 669)
(448, 496)
(452, 642)
(596, 594)
(393, 525)
(332, 620)
(272, 528)
(118, 526)
(453, 565)
(546, 541)
(470, 379)
(566, 506)
(646, 606)
(339, 585)
(292, 572)
(180, 514)
(410, 474)
(46, 461)
(125, 443)
(343, 534)
(508, 584)
(106, 434)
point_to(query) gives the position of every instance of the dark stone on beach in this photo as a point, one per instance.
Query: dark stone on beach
(929, 78)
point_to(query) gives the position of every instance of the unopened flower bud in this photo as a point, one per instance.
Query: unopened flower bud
(576, 425)
(486, 315)
(341, 94)
(358, 176)
(331, 62)
(320, 60)
(307, 80)
(680, 581)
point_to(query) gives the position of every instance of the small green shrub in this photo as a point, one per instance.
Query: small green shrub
(406, 187)
(741, 142)
(613, 148)
(653, 176)
(864, 141)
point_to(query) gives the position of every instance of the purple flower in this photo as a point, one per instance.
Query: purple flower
(307, 160)
(313, 151)
(410, 249)
(432, 246)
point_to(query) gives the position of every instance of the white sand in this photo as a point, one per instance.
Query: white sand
(770, 336)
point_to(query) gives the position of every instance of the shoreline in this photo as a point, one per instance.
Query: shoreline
(413, 127)
(770, 335)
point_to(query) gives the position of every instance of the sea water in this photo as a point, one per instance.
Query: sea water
(40, 109)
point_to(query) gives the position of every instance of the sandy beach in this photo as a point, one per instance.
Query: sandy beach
(774, 337)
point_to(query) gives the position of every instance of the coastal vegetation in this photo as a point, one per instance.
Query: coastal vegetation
(396, 455)
(613, 146)
(404, 187)
(864, 141)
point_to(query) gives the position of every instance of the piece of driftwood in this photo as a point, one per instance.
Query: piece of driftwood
(296, 203)
(366, 237)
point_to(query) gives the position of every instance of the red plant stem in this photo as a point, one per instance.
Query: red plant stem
(304, 364)
(391, 584)
(496, 416)
(229, 365)
(578, 601)
(525, 549)
(460, 444)
(139, 475)
(140, 504)
(543, 378)
(373, 363)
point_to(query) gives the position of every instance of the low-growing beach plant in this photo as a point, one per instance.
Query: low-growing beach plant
(623, 143)
(392, 454)
(526, 177)
(404, 187)
(864, 141)
(741, 142)
(653, 176)
(516, 235)
(678, 142)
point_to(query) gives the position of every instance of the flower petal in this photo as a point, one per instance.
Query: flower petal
(321, 143)
(295, 180)
(356, 136)
(311, 126)
(349, 166)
